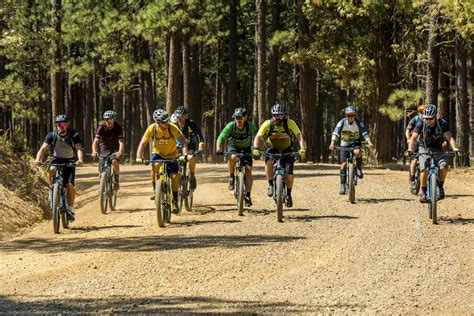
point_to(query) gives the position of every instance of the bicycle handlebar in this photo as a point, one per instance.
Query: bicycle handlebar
(280, 156)
(159, 161)
(59, 165)
(224, 153)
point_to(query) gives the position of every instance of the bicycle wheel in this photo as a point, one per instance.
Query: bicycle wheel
(64, 219)
(434, 198)
(159, 199)
(417, 182)
(56, 208)
(104, 179)
(240, 193)
(279, 196)
(112, 193)
(351, 177)
(188, 199)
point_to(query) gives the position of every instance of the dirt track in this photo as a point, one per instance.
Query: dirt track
(380, 255)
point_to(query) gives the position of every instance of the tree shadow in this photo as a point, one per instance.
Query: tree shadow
(95, 228)
(310, 218)
(381, 200)
(142, 243)
(196, 223)
(456, 220)
(185, 305)
(457, 196)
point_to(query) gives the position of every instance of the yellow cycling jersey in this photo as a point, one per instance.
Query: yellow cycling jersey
(279, 139)
(164, 143)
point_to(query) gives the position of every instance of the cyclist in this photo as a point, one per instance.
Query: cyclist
(239, 134)
(110, 135)
(194, 139)
(408, 132)
(279, 132)
(65, 143)
(431, 133)
(350, 130)
(163, 135)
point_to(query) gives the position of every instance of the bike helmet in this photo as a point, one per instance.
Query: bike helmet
(110, 115)
(61, 118)
(278, 109)
(180, 111)
(239, 112)
(161, 115)
(350, 109)
(174, 119)
(429, 111)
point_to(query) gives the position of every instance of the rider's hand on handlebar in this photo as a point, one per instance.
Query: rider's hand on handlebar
(79, 163)
(139, 161)
(94, 154)
(256, 153)
(407, 153)
(302, 153)
(332, 146)
(182, 158)
(118, 155)
(370, 145)
(37, 163)
(458, 152)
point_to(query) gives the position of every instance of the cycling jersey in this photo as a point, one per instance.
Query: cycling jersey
(191, 132)
(64, 146)
(279, 136)
(236, 137)
(431, 137)
(109, 137)
(350, 132)
(164, 142)
(414, 120)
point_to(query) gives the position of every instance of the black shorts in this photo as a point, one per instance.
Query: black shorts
(171, 167)
(247, 160)
(344, 151)
(69, 173)
(101, 160)
(288, 162)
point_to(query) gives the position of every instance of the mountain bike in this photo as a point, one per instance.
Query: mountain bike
(240, 189)
(58, 195)
(163, 193)
(417, 180)
(436, 163)
(185, 193)
(107, 190)
(279, 180)
(351, 167)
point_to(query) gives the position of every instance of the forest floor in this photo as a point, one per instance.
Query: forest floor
(381, 254)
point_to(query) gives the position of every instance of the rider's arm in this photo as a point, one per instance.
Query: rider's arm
(143, 142)
(224, 135)
(449, 137)
(261, 134)
(80, 156)
(408, 133)
(121, 146)
(41, 151)
(95, 144)
(301, 141)
(184, 145)
(413, 138)
(337, 132)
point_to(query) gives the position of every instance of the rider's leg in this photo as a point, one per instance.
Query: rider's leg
(358, 154)
(51, 172)
(71, 195)
(248, 179)
(343, 176)
(174, 185)
(116, 166)
(423, 178)
(231, 166)
(192, 165)
(413, 169)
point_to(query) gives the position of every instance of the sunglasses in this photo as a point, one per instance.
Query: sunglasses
(350, 116)
(239, 118)
(429, 118)
(278, 116)
(62, 124)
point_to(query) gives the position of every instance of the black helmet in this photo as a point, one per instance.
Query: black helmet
(110, 114)
(277, 109)
(180, 111)
(161, 115)
(239, 112)
(430, 111)
(61, 118)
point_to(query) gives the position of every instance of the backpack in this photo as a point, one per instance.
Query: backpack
(68, 138)
(234, 127)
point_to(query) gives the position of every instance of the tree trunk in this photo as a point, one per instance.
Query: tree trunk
(233, 51)
(462, 106)
(274, 56)
(433, 62)
(57, 91)
(261, 43)
(172, 96)
(89, 129)
(188, 84)
(307, 96)
(195, 105)
(471, 85)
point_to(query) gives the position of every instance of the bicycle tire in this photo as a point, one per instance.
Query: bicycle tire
(113, 192)
(188, 199)
(279, 196)
(417, 182)
(56, 208)
(159, 198)
(103, 192)
(64, 219)
(240, 193)
(351, 177)
(434, 198)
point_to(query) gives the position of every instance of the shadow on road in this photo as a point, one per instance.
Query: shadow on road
(94, 228)
(455, 220)
(142, 243)
(374, 201)
(310, 218)
(187, 305)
